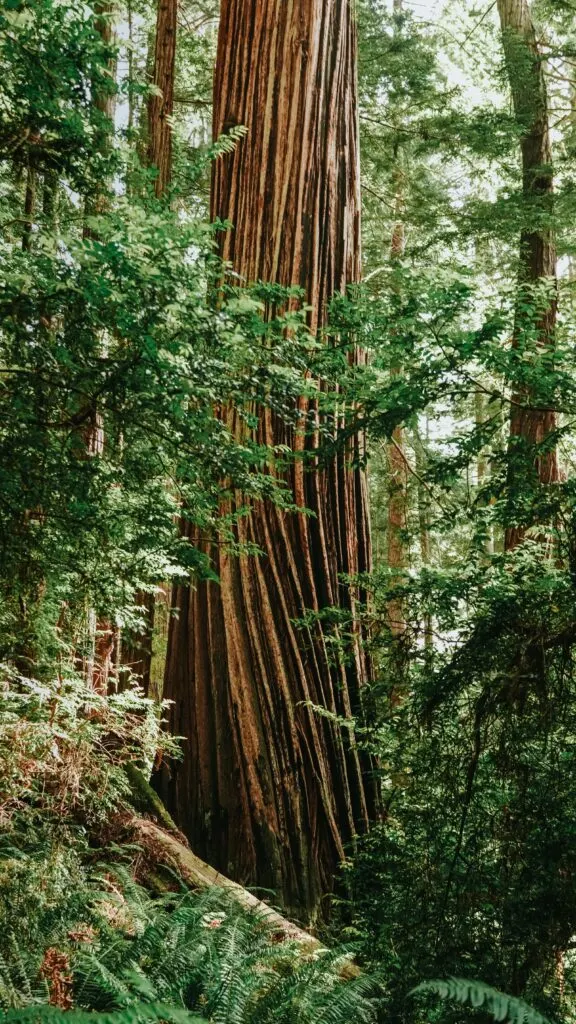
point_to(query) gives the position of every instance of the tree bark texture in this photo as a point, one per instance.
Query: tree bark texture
(161, 102)
(531, 426)
(270, 792)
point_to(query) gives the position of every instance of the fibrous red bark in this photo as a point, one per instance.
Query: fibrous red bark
(161, 101)
(269, 791)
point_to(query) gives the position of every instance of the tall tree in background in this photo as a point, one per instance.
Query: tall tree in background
(102, 634)
(530, 426)
(270, 791)
(137, 652)
(161, 100)
(397, 555)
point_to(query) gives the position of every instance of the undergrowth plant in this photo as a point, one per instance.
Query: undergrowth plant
(145, 959)
(79, 938)
(64, 745)
(479, 996)
(206, 953)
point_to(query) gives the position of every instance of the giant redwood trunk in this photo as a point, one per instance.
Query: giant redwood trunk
(529, 425)
(269, 791)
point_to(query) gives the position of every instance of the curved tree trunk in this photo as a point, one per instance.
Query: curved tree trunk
(530, 426)
(269, 791)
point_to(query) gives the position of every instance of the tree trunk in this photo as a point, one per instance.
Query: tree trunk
(482, 464)
(101, 633)
(423, 498)
(161, 102)
(104, 101)
(29, 205)
(137, 652)
(270, 792)
(397, 554)
(531, 426)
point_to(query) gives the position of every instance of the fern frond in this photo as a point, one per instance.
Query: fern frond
(227, 142)
(20, 984)
(137, 1013)
(502, 1007)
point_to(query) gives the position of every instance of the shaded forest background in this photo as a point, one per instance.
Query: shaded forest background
(287, 509)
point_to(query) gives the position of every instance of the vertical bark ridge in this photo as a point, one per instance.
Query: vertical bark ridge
(269, 791)
(161, 102)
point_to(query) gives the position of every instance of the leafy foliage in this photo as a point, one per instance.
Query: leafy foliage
(119, 348)
(209, 954)
(135, 1014)
(474, 993)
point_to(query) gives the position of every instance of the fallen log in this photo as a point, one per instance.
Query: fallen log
(168, 848)
(174, 854)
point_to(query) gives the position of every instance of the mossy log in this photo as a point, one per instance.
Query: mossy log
(169, 848)
(145, 800)
(171, 852)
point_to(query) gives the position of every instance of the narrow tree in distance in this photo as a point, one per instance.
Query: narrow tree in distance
(137, 651)
(161, 100)
(531, 426)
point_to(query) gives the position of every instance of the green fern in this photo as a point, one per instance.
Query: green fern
(502, 1007)
(190, 953)
(227, 142)
(135, 1014)
(210, 956)
(20, 984)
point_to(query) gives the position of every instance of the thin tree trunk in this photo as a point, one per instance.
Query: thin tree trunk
(29, 205)
(131, 80)
(50, 193)
(101, 633)
(530, 426)
(396, 538)
(424, 531)
(269, 791)
(137, 653)
(161, 101)
(104, 100)
(482, 464)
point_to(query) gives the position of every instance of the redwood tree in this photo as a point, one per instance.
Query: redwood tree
(530, 426)
(161, 101)
(397, 524)
(137, 651)
(269, 791)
